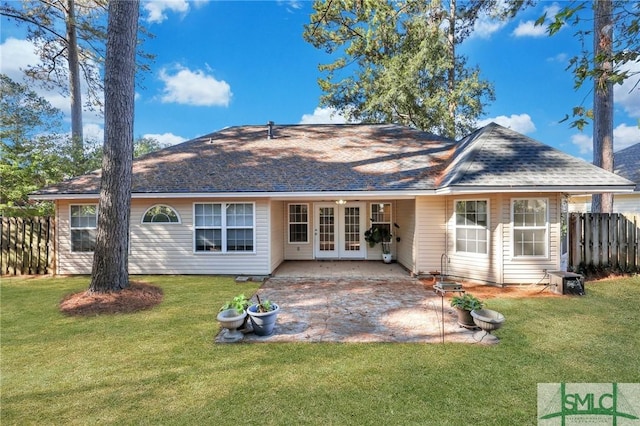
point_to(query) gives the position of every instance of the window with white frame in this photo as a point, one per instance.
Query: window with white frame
(83, 223)
(224, 227)
(472, 226)
(530, 227)
(298, 223)
(161, 214)
(381, 217)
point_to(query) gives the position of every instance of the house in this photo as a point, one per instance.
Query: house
(245, 199)
(626, 163)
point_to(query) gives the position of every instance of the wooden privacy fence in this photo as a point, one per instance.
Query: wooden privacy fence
(27, 245)
(603, 240)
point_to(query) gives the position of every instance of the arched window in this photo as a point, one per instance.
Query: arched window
(161, 214)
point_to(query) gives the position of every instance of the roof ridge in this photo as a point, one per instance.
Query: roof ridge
(459, 155)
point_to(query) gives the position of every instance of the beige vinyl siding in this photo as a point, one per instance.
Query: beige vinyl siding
(276, 212)
(626, 203)
(169, 248)
(523, 270)
(622, 203)
(406, 219)
(297, 251)
(475, 266)
(430, 229)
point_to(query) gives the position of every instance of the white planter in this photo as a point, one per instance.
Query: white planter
(387, 257)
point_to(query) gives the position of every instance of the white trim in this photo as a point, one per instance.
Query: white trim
(72, 228)
(487, 228)
(142, 222)
(546, 228)
(354, 195)
(288, 213)
(571, 189)
(224, 205)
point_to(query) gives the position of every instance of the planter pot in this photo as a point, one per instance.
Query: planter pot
(263, 322)
(488, 321)
(231, 320)
(386, 257)
(465, 319)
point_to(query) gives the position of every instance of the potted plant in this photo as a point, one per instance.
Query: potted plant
(380, 234)
(464, 305)
(232, 315)
(263, 316)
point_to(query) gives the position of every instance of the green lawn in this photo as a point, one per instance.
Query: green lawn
(161, 366)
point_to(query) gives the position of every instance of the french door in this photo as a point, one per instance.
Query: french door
(339, 230)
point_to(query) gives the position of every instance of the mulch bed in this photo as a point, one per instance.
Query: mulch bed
(137, 297)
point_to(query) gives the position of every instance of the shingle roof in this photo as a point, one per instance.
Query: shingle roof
(495, 156)
(344, 158)
(626, 163)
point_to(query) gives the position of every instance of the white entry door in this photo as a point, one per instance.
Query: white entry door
(339, 230)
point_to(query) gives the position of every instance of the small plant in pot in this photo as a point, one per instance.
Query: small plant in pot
(232, 316)
(263, 316)
(464, 305)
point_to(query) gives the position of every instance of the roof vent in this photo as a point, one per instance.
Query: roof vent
(270, 130)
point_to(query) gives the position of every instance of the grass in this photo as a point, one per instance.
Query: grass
(161, 366)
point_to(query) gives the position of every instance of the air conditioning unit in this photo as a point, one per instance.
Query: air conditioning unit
(562, 282)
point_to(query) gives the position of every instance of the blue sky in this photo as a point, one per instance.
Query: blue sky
(226, 63)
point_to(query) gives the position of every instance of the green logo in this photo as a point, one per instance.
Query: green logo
(592, 403)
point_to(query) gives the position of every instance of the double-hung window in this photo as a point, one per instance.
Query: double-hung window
(298, 223)
(472, 226)
(530, 227)
(83, 224)
(224, 227)
(381, 217)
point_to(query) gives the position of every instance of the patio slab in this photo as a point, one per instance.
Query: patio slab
(356, 310)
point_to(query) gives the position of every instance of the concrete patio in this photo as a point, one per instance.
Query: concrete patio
(357, 302)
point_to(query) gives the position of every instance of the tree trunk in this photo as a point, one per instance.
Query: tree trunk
(111, 256)
(603, 99)
(77, 136)
(451, 83)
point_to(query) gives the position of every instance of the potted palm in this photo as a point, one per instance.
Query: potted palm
(263, 316)
(232, 315)
(464, 305)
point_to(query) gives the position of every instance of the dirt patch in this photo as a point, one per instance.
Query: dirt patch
(483, 291)
(137, 297)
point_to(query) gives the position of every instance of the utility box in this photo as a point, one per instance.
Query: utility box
(562, 282)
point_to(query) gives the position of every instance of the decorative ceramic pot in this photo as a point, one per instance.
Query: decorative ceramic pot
(231, 320)
(386, 257)
(263, 322)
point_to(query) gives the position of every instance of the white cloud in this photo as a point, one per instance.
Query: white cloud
(583, 142)
(93, 132)
(323, 116)
(194, 88)
(17, 55)
(521, 123)
(157, 9)
(560, 58)
(530, 29)
(165, 138)
(626, 94)
(485, 26)
(624, 136)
